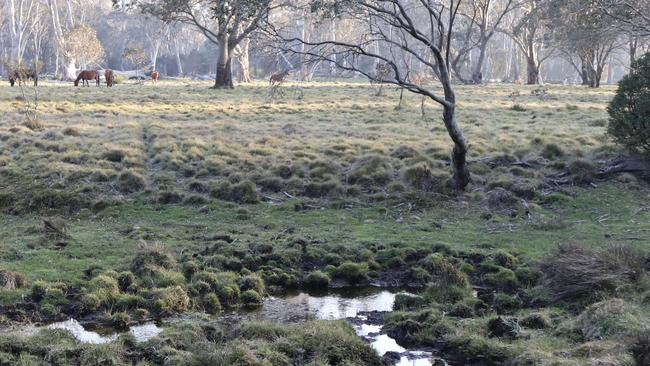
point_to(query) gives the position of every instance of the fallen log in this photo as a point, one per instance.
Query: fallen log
(637, 167)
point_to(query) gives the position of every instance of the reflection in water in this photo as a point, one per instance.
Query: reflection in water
(141, 333)
(332, 307)
(342, 305)
(82, 335)
(383, 343)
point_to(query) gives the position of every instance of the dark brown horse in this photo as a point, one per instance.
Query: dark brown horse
(155, 75)
(86, 76)
(22, 75)
(110, 77)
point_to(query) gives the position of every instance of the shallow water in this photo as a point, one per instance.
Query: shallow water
(346, 304)
(290, 308)
(141, 333)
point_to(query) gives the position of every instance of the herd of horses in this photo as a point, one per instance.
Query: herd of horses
(22, 75)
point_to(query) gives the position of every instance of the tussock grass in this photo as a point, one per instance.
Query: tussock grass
(337, 141)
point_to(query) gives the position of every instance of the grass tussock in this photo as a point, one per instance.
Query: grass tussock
(576, 272)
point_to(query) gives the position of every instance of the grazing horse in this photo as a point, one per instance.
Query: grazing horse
(155, 75)
(279, 78)
(110, 77)
(22, 75)
(86, 76)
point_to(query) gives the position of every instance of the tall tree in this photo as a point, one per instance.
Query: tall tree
(586, 37)
(486, 16)
(386, 31)
(225, 23)
(529, 30)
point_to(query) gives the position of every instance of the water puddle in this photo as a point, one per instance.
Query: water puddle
(141, 333)
(349, 304)
(355, 305)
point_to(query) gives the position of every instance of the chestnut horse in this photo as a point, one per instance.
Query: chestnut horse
(87, 75)
(155, 75)
(110, 77)
(22, 75)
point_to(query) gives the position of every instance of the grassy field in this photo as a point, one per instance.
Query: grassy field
(175, 188)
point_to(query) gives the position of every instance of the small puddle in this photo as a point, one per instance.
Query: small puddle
(141, 333)
(348, 304)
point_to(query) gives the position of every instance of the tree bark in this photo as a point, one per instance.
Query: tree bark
(532, 71)
(460, 176)
(243, 61)
(224, 65)
(477, 75)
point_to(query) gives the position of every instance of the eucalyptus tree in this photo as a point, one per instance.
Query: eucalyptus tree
(387, 32)
(585, 36)
(530, 30)
(483, 19)
(226, 23)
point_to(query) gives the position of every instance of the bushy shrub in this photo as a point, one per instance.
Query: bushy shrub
(251, 298)
(629, 111)
(353, 272)
(211, 304)
(317, 279)
(576, 271)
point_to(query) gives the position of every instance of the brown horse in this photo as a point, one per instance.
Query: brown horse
(279, 78)
(110, 77)
(155, 75)
(22, 75)
(87, 75)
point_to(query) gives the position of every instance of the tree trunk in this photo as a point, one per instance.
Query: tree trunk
(71, 70)
(460, 177)
(224, 65)
(243, 62)
(477, 75)
(532, 71)
(179, 65)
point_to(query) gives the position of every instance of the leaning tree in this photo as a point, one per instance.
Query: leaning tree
(392, 34)
(225, 23)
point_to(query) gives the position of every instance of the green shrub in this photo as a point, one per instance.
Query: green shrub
(130, 182)
(125, 280)
(443, 271)
(245, 192)
(504, 303)
(610, 318)
(317, 279)
(172, 300)
(629, 111)
(91, 302)
(252, 282)
(128, 302)
(577, 271)
(211, 304)
(408, 301)
(120, 320)
(152, 257)
(251, 298)
(505, 259)
(502, 278)
(353, 272)
(537, 321)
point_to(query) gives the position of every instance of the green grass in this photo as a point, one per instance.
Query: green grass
(349, 187)
(109, 238)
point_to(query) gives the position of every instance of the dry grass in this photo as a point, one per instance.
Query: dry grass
(576, 272)
(338, 139)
